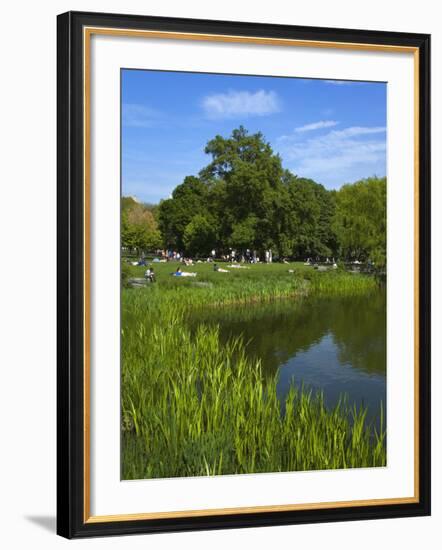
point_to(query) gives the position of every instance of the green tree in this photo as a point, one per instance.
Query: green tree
(245, 178)
(361, 218)
(139, 229)
(244, 198)
(243, 234)
(199, 235)
(311, 211)
(188, 200)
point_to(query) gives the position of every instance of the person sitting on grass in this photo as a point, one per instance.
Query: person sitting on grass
(150, 275)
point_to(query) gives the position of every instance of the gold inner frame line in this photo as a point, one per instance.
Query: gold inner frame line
(87, 34)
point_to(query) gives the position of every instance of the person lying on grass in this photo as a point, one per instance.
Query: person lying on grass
(179, 273)
(219, 269)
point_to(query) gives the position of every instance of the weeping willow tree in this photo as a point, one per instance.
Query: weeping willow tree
(360, 220)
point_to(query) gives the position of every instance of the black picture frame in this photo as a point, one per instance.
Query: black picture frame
(71, 521)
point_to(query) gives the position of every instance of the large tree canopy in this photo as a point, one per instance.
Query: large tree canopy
(244, 198)
(249, 201)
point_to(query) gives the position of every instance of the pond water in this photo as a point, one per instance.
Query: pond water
(336, 345)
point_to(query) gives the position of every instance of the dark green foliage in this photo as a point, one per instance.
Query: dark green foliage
(311, 210)
(199, 235)
(188, 201)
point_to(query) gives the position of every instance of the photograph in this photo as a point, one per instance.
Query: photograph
(253, 236)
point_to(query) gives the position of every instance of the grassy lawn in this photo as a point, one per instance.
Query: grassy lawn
(258, 282)
(205, 271)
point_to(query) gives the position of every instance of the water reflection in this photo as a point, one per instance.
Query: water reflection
(337, 345)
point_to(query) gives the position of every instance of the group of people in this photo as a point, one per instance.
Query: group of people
(317, 260)
(247, 256)
(315, 263)
(170, 255)
(250, 257)
(150, 276)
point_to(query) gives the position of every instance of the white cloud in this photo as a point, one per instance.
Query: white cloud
(241, 103)
(336, 151)
(139, 116)
(353, 131)
(316, 125)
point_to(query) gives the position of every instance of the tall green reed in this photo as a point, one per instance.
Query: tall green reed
(193, 407)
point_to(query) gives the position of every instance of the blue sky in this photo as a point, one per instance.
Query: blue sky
(331, 131)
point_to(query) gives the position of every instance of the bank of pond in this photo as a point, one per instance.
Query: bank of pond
(267, 371)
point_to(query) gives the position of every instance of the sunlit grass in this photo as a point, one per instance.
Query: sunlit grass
(192, 407)
(257, 283)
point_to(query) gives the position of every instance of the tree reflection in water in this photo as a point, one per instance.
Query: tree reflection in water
(335, 344)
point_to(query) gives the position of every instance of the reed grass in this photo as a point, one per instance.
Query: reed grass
(194, 407)
(259, 284)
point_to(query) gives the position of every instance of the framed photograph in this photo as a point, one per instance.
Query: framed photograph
(243, 274)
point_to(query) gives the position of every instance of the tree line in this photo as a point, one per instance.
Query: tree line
(245, 199)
